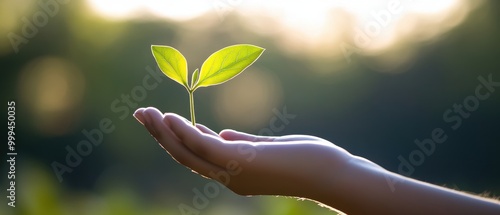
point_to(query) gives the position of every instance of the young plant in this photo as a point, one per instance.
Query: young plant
(218, 68)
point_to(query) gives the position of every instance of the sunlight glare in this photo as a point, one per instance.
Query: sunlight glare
(178, 10)
(431, 6)
(315, 27)
(170, 9)
(115, 9)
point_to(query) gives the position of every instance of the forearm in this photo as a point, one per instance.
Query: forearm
(365, 188)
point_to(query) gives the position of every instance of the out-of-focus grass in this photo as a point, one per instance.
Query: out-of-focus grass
(39, 193)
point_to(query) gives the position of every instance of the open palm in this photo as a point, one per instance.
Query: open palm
(247, 164)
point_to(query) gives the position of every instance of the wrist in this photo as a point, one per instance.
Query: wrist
(345, 188)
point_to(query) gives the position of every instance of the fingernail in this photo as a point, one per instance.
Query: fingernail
(139, 117)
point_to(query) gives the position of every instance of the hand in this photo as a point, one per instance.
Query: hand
(302, 166)
(292, 165)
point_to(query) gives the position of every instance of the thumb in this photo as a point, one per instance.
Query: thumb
(228, 134)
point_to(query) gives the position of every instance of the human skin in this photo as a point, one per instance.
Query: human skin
(302, 166)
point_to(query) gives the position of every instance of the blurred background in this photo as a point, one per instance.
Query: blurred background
(370, 76)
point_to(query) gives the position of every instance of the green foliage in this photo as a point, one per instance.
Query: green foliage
(195, 78)
(172, 63)
(292, 206)
(221, 66)
(227, 63)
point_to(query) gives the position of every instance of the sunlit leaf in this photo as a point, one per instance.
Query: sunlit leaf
(171, 62)
(195, 77)
(219, 67)
(227, 63)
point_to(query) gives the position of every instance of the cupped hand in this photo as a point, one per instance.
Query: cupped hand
(291, 165)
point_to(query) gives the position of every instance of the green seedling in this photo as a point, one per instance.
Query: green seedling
(221, 66)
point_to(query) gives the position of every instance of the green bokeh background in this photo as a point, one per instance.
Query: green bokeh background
(373, 114)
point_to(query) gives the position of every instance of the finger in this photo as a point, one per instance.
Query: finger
(232, 135)
(171, 143)
(202, 127)
(207, 146)
(139, 116)
(294, 137)
(149, 122)
(206, 130)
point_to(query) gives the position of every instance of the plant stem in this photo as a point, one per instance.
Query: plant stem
(191, 106)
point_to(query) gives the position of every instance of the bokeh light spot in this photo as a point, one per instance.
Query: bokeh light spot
(246, 102)
(53, 90)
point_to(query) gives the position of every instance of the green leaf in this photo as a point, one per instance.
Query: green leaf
(195, 78)
(172, 63)
(227, 63)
